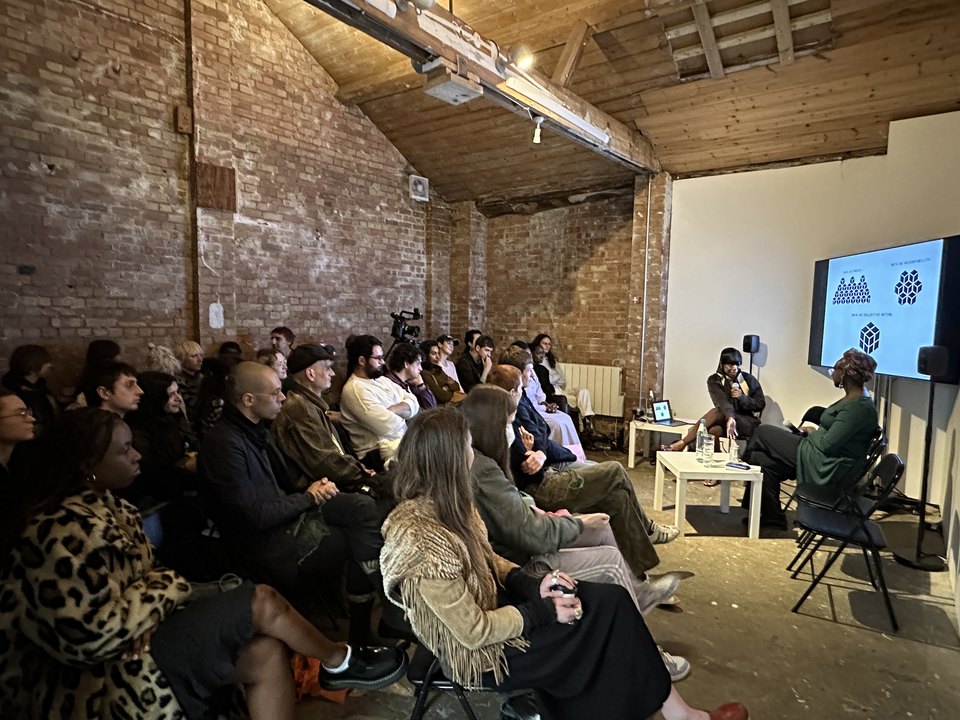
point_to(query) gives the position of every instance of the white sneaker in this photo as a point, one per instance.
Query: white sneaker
(662, 534)
(657, 590)
(678, 667)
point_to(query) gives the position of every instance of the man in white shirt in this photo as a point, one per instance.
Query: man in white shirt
(375, 410)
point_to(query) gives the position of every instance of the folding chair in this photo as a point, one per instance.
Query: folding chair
(425, 674)
(847, 520)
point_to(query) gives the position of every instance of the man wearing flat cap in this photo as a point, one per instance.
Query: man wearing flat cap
(304, 432)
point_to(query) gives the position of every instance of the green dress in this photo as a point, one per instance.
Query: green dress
(826, 456)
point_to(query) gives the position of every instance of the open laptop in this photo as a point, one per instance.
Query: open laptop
(663, 414)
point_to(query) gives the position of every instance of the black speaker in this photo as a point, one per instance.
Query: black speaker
(751, 344)
(932, 360)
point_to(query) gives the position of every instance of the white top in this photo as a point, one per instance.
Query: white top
(365, 405)
(450, 369)
(557, 378)
(535, 393)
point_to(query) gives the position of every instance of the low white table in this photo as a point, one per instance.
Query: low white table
(646, 428)
(684, 466)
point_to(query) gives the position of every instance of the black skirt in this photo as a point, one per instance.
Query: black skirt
(606, 665)
(197, 647)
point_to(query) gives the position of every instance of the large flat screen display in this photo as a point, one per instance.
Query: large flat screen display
(888, 303)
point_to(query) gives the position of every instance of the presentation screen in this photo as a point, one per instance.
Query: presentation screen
(888, 303)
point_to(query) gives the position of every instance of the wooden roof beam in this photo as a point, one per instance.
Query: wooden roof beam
(570, 57)
(781, 22)
(435, 34)
(708, 39)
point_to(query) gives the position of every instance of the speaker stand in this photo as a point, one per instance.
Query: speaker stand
(920, 560)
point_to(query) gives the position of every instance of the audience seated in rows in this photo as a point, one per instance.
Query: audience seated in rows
(92, 627)
(273, 359)
(447, 344)
(276, 533)
(583, 647)
(282, 339)
(374, 409)
(188, 376)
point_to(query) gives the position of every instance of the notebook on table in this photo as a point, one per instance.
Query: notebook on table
(663, 414)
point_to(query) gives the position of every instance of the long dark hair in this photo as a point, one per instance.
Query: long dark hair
(157, 435)
(65, 457)
(432, 462)
(551, 358)
(729, 356)
(486, 409)
(425, 347)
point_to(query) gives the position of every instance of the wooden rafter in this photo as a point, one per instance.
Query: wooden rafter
(708, 39)
(570, 57)
(781, 22)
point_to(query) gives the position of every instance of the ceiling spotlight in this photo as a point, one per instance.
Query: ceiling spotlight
(522, 57)
(536, 131)
(418, 4)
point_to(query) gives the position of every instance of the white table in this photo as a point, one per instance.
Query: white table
(646, 428)
(684, 466)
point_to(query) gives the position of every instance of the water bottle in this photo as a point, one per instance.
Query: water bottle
(702, 434)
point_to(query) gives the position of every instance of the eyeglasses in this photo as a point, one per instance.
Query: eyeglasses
(277, 394)
(20, 412)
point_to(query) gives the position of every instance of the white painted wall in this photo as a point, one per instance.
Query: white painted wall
(742, 251)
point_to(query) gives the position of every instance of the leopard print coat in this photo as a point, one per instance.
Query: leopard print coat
(79, 586)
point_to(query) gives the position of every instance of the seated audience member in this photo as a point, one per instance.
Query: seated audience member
(160, 358)
(273, 359)
(278, 534)
(562, 428)
(282, 339)
(585, 652)
(556, 481)
(549, 365)
(521, 532)
(190, 356)
(213, 391)
(444, 388)
(542, 372)
(17, 429)
(94, 629)
(230, 348)
(27, 378)
(446, 344)
(737, 403)
(374, 409)
(475, 363)
(112, 386)
(99, 352)
(162, 437)
(304, 432)
(405, 368)
(821, 460)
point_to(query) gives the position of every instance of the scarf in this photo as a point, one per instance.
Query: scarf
(417, 545)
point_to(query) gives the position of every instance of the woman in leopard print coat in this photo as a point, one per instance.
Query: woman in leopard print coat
(81, 601)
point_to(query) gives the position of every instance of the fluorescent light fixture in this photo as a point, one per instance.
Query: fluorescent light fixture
(542, 101)
(536, 131)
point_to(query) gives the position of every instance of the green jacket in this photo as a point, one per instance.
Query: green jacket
(827, 455)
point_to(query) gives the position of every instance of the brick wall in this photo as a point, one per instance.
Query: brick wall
(95, 184)
(563, 272)
(92, 191)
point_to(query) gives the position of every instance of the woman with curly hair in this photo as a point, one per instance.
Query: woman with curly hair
(92, 628)
(821, 460)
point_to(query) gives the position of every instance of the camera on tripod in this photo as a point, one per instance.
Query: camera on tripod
(400, 329)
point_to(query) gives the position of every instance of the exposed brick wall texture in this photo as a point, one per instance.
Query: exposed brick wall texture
(94, 183)
(468, 269)
(563, 272)
(92, 176)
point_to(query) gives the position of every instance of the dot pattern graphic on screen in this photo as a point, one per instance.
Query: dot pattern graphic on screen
(908, 288)
(869, 338)
(852, 293)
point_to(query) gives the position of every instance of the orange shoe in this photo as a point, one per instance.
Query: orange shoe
(730, 711)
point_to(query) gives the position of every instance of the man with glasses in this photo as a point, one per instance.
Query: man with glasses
(375, 410)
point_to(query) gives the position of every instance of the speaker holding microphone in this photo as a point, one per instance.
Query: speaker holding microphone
(751, 344)
(932, 360)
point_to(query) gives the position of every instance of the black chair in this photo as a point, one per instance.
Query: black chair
(847, 520)
(425, 674)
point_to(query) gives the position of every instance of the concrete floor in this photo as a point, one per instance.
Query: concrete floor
(836, 659)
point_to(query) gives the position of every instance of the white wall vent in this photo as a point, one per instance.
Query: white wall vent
(419, 188)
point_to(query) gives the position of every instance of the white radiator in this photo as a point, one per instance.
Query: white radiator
(604, 384)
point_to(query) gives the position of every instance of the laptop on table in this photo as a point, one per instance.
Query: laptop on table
(663, 414)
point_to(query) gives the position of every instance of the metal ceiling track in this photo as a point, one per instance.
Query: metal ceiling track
(441, 43)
